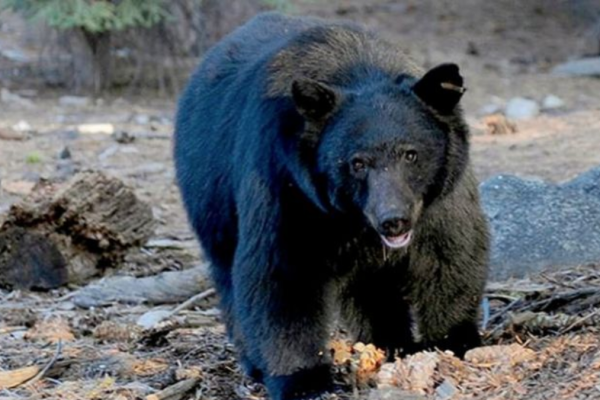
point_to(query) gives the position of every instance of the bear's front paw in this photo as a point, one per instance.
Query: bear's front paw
(307, 384)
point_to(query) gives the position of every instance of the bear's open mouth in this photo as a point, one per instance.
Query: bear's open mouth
(396, 242)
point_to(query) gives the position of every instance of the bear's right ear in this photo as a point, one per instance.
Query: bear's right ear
(314, 100)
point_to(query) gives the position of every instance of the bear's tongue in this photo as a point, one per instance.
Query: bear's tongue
(396, 242)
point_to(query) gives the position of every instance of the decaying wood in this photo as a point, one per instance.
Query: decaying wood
(166, 288)
(69, 233)
(175, 392)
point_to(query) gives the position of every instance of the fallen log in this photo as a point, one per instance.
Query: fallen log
(70, 233)
(165, 288)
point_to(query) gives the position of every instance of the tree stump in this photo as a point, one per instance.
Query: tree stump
(69, 233)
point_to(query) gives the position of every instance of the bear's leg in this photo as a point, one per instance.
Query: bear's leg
(373, 306)
(460, 338)
(283, 316)
(222, 279)
(447, 305)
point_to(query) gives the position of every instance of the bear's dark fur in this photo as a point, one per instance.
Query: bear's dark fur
(320, 169)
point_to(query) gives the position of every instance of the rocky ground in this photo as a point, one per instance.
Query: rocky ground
(506, 52)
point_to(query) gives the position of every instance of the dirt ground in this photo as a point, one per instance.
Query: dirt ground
(505, 49)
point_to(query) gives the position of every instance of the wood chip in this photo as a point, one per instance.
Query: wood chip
(498, 124)
(12, 379)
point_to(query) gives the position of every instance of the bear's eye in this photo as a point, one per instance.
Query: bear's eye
(358, 165)
(410, 156)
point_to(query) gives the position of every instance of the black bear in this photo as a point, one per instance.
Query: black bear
(326, 176)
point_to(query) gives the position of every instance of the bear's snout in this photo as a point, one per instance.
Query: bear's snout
(395, 231)
(394, 225)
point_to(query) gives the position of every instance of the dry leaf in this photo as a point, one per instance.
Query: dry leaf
(498, 124)
(341, 351)
(416, 372)
(387, 375)
(149, 367)
(508, 355)
(370, 360)
(11, 379)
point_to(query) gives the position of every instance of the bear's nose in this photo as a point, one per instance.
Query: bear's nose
(393, 226)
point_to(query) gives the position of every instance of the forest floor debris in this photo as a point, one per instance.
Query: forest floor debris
(538, 330)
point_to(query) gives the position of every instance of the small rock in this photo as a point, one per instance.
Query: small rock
(142, 119)
(24, 127)
(552, 102)
(11, 98)
(65, 154)
(153, 317)
(446, 391)
(74, 101)
(584, 67)
(123, 137)
(96, 129)
(520, 108)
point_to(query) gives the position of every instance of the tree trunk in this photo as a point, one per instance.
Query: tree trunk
(93, 62)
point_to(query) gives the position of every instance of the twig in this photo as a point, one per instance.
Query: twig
(579, 322)
(543, 305)
(503, 311)
(502, 297)
(192, 300)
(11, 329)
(49, 365)
(176, 391)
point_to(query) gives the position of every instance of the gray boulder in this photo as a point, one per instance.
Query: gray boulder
(538, 226)
(584, 67)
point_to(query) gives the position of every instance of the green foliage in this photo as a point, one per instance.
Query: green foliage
(94, 16)
(33, 158)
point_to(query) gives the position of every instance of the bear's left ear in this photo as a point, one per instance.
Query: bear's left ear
(314, 100)
(441, 88)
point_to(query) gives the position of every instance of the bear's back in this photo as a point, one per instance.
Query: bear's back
(285, 48)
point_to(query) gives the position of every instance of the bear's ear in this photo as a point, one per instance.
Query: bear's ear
(441, 88)
(314, 100)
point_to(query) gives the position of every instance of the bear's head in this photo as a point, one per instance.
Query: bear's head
(387, 149)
